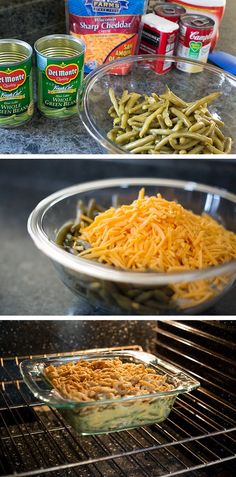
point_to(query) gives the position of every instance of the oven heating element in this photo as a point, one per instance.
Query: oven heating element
(197, 440)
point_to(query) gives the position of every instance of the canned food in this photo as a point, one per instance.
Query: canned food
(16, 83)
(211, 8)
(195, 36)
(170, 12)
(60, 69)
(159, 36)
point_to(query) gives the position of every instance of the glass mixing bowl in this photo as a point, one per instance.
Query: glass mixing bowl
(141, 78)
(128, 292)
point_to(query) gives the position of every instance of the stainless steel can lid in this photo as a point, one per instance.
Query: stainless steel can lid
(170, 9)
(201, 22)
(13, 51)
(59, 46)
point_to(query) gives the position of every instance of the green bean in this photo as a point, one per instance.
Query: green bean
(116, 121)
(161, 132)
(181, 116)
(131, 102)
(178, 126)
(196, 126)
(91, 208)
(201, 119)
(63, 231)
(211, 130)
(111, 110)
(149, 120)
(138, 107)
(124, 120)
(144, 296)
(176, 135)
(112, 135)
(124, 137)
(213, 149)
(155, 97)
(218, 143)
(219, 122)
(154, 107)
(161, 121)
(125, 96)
(139, 117)
(133, 293)
(187, 145)
(197, 149)
(138, 150)
(137, 126)
(114, 100)
(228, 145)
(166, 116)
(174, 99)
(208, 99)
(219, 133)
(139, 142)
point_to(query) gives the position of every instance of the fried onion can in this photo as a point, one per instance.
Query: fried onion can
(60, 71)
(195, 35)
(16, 83)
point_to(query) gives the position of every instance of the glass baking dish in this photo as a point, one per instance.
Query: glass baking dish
(109, 415)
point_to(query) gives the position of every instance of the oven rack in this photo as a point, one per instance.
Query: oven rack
(198, 436)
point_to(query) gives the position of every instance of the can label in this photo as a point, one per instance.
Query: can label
(194, 42)
(16, 93)
(59, 82)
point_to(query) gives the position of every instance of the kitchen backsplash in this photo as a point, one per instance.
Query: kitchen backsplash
(29, 19)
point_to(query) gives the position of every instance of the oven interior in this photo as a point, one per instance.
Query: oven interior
(198, 439)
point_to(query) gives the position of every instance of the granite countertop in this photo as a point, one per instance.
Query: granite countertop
(29, 283)
(42, 135)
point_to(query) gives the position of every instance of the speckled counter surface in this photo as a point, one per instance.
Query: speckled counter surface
(65, 336)
(29, 284)
(44, 136)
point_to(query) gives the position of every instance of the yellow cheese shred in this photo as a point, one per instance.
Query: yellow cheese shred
(159, 235)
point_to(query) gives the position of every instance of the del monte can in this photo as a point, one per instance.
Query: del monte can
(60, 67)
(16, 83)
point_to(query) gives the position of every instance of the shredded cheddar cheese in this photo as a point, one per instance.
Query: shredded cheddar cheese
(159, 235)
(99, 47)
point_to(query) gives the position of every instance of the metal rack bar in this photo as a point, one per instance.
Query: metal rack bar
(200, 365)
(202, 349)
(190, 329)
(189, 440)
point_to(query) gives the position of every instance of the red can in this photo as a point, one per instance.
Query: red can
(159, 36)
(196, 32)
(171, 11)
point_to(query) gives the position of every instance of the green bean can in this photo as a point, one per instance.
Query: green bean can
(16, 83)
(60, 69)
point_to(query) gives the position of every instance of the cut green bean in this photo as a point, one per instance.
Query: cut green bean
(139, 142)
(181, 116)
(160, 124)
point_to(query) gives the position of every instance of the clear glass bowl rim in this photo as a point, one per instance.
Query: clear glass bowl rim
(27, 366)
(104, 272)
(105, 68)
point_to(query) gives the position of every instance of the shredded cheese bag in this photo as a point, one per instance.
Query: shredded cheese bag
(110, 30)
(160, 235)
